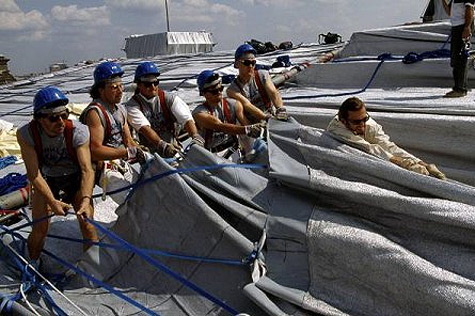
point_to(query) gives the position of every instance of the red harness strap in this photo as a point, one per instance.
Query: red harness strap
(163, 106)
(108, 125)
(68, 136)
(165, 110)
(227, 115)
(262, 91)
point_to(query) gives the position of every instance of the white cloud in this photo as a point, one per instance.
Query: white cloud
(136, 5)
(204, 11)
(23, 26)
(277, 3)
(92, 16)
(9, 6)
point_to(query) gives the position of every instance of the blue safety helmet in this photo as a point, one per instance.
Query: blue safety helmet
(146, 68)
(49, 97)
(107, 70)
(206, 76)
(244, 48)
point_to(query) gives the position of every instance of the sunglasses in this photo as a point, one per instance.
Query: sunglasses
(249, 62)
(149, 84)
(215, 91)
(55, 117)
(358, 122)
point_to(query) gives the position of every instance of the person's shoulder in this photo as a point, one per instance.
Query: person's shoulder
(132, 102)
(230, 101)
(79, 125)
(372, 122)
(233, 86)
(172, 96)
(263, 72)
(199, 108)
(80, 132)
(24, 127)
(334, 122)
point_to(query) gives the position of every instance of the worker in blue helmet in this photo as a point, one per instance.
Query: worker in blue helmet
(58, 163)
(112, 146)
(159, 116)
(254, 88)
(222, 123)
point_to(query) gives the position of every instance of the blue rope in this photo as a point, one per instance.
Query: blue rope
(30, 223)
(89, 277)
(101, 284)
(163, 268)
(412, 57)
(339, 94)
(175, 171)
(12, 182)
(26, 277)
(408, 59)
(156, 252)
(6, 161)
(49, 300)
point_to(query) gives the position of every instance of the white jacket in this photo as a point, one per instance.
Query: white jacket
(374, 142)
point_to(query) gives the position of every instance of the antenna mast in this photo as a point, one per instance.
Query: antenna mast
(168, 19)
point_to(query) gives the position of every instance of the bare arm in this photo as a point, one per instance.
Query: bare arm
(87, 178)
(247, 105)
(467, 30)
(208, 121)
(190, 128)
(98, 150)
(150, 135)
(30, 158)
(127, 136)
(240, 114)
(273, 93)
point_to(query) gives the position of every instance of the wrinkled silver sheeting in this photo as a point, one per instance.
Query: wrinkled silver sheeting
(347, 234)
(379, 240)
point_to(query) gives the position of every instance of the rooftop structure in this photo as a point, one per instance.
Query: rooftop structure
(168, 43)
(5, 75)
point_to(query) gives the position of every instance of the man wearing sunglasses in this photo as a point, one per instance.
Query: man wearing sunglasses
(354, 126)
(222, 121)
(158, 115)
(254, 88)
(112, 146)
(58, 163)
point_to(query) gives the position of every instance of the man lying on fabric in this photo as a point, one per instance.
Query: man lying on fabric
(354, 126)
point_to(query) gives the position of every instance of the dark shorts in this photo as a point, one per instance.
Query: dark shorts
(64, 188)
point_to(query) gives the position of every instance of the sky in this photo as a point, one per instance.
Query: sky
(37, 33)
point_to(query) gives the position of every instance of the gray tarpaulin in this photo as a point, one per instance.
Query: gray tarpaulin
(346, 234)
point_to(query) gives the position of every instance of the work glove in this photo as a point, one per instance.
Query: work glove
(435, 172)
(135, 154)
(254, 130)
(167, 150)
(281, 114)
(198, 140)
